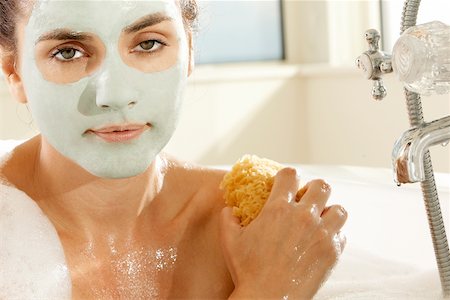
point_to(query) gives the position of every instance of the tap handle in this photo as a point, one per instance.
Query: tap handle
(373, 39)
(374, 63)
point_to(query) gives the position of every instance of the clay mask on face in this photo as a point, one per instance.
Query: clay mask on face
(114, 94)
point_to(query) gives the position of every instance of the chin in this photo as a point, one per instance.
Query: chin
(114, 173)
(118, 175)
(119, 168)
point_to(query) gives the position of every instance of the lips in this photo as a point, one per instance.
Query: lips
(119, 133)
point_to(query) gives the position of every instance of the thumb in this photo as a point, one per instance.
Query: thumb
(229, 226)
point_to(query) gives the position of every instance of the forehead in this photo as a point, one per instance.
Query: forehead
(97, 15)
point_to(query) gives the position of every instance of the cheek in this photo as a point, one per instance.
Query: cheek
(53, 104)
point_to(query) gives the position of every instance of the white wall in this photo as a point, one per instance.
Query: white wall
(429, 10)
(290, 112)
(306, 114)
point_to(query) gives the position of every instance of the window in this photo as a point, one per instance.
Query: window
(391, 10)
(236, 31)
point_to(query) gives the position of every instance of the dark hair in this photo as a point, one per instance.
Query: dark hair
(12, 10)
(189, 10)
(9, 12)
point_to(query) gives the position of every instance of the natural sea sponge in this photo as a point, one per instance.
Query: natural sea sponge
(247, 186)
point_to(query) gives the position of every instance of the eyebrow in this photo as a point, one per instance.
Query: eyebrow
(147, 21)
(64, 34)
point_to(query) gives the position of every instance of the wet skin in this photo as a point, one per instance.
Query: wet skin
(171, 250)
(156, 234)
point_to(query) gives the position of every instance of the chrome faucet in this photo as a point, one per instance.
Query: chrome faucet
(411, 157)
(409, 150)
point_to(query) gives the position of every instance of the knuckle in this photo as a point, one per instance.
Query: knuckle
(280, 208)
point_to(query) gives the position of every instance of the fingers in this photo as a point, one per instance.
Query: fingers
(333, 218)
(316, 264)
(285, 186)
(315, 192)
(318, 261)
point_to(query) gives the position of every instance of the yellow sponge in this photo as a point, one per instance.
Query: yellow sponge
(247, 186)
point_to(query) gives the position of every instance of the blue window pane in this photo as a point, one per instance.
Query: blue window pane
(237, 31)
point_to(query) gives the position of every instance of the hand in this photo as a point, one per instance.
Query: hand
(290, 248)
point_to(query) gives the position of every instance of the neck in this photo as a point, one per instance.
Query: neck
(84, 205)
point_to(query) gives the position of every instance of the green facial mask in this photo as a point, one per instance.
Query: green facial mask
(65, 113)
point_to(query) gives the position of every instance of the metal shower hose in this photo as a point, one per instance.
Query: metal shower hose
(430, 195)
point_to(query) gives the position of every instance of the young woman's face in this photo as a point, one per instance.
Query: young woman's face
(104, 79)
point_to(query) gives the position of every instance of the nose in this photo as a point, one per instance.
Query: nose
(114, 91)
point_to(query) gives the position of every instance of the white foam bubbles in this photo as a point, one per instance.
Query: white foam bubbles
(361, 275)
(32, 262)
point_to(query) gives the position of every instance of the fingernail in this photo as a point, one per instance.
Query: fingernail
(325, 188)
(342, 211)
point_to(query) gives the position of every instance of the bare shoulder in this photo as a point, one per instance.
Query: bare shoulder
(202, 182)
(16, 166)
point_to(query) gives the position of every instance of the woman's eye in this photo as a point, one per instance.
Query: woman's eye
(67, 54)
(148, 46)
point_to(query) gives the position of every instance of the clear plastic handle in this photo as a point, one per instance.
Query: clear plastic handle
(421, 58)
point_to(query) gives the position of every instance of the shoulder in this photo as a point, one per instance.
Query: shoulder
(16, 161)
(7, 146)
(200, 183)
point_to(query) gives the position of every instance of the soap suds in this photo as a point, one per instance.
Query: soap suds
(361, 275)
(32, 262)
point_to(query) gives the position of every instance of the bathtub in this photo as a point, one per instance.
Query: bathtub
(389, 254)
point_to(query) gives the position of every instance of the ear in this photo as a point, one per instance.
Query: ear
(13, 78)
(191, 54)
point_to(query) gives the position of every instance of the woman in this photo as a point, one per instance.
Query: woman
(104, 81)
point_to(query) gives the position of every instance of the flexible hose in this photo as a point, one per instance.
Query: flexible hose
(429, 191)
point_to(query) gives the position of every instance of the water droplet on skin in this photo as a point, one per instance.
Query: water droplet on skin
(296, 282)
(136, 272)
(315, 210)
(337, 244)
(165, 258)
(325, 188)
